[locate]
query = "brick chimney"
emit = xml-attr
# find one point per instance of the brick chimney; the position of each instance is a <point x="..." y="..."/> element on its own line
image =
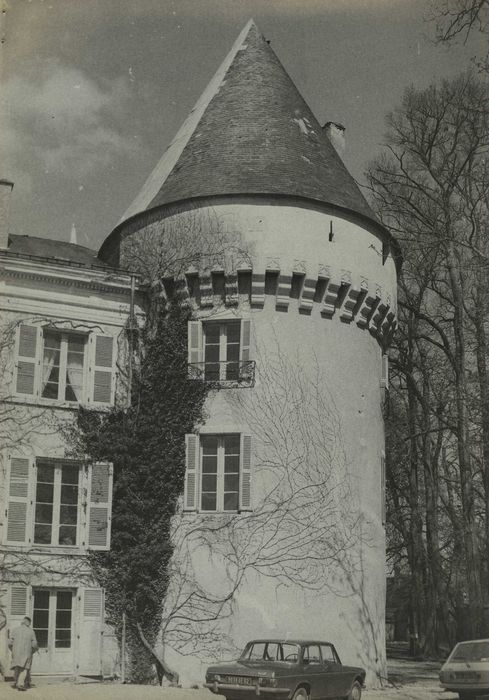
<point x="5" y="191"/>
<point x="336" y="134"/>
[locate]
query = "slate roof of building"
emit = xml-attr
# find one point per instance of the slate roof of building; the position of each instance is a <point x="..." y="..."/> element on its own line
<point x="251" y="132"/>
<point x="55" y="250"/>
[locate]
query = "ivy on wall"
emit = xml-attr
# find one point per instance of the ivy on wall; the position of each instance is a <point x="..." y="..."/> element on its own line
<point x="146" y="444"/>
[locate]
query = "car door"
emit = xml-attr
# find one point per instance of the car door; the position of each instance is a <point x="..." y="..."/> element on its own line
<point x="315" y="672"/>
<point x="336" y="681"/>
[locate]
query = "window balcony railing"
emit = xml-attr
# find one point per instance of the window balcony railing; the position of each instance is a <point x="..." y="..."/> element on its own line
<point x="229" y="375"/>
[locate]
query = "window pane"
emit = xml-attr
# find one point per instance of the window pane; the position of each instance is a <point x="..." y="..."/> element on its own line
<point x="76" y="343"/>
<point x="212" y="353"/>
<point x="209" y="501"/>
<point x="209" y="482"/>
<point x="231" y="464"/>
<point x="41" y="599"/>
<point x="44" y="493"/>
<point x="69" y="474"/>
<point x="67" y="535"/>
<point x="63" y="619"/>
<point x="42" y="534"/>
<point x="41" y="618"/>
<point x="63" y="639"/>
<point x="68" y="515"/>
<point x="233" y="353"/>
<point x="257" y="651"/>
<point x="231" y="482"/>
<point x="231" y="444"/>
<point x="232" y="371"/>
<point x="233" y="331"/>
<point x="212" y="333"/>
<point x="327" y="653"/>
<point x="69" y="494"/>
<point x="209" y="464"/>
<point x="230" y="501"/>
<point x="52" y="339"/>
<point x="209" y="444"/>
<point x="45" y="473"/>
<point x="41" y="636"/>
<point x="211" y="373"/>
<point x="63" y="600"/>
<point x="44" y="513"/>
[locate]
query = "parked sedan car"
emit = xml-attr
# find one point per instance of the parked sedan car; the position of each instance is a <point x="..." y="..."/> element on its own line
<point x="466" y="671"/>
<point x="286" y="670"/>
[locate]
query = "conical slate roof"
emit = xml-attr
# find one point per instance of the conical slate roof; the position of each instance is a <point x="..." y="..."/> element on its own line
<point x="251" y="133"/>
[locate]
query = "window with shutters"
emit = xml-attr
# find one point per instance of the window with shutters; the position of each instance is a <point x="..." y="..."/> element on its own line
<point x="219" y="352"/>
<point x="62" y="366"/>
<point x="59" y="503"/>
<point x="218" y="476"/>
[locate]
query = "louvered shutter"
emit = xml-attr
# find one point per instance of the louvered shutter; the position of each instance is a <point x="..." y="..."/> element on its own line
<point x="192" y="455"/>
<point x="27" y="366"/>
<point x="89" y="660"/>
<point x="245" y="473"/>
<point x="18" y="501"/>
<point x="99" y="506"/>
<point x="195" y="370"/>
<point x="18" y="604"/>
<point x="245" y="339"/>
<point x="103" y="369"/>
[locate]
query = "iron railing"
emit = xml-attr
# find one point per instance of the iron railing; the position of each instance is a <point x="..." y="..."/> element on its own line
<point x="229" y="375"/>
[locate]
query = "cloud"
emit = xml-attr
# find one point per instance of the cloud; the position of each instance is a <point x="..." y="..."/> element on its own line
<point x="62" y="121"/>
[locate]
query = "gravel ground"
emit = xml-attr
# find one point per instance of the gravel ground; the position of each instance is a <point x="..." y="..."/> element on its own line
<point x="409" y="680"/>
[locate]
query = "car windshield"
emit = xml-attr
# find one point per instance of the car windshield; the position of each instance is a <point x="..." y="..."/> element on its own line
<point x="271" y="651"/>
<point x="471" y="651"/>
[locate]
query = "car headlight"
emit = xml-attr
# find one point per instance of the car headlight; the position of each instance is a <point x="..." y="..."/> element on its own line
<point x="212" y="677"/>
<point x="267" y="682"/>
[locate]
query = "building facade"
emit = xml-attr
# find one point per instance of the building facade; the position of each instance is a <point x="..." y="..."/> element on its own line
<point x="253" y="218"/>
<point x="62" y="318"/>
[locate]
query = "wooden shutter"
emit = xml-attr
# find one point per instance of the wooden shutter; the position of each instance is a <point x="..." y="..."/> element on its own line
<point x="245" y="473"/>
<point x="245" y="339"/>
<point x="195" y="349"/>
<point x="89" y="661"/>
<point x="18" y="501"/>
<point x="103" y="369"/>
<point x="192" y="456"/>
<point x="99" y="506"/>
<point x="27" y="365"/>
<point x="19" y="603"/>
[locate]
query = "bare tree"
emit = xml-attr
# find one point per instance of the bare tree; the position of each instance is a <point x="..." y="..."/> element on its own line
<point x="431" y="189"/>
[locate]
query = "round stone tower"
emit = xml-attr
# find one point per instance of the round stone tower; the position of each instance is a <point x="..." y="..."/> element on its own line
<point x="292" y="284"/>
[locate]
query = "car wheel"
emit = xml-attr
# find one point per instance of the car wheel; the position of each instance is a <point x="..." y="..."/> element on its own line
<point x="301" y="694"/>
<point x="355" y="691"/>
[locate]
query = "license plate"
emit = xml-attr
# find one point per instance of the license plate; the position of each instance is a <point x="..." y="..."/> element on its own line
<point x="240" y="680"/>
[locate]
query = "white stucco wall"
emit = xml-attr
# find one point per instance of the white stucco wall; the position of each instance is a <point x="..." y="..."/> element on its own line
<point x="346" y="360"/>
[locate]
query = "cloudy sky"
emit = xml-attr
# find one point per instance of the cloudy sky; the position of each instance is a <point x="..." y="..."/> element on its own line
<point x="94" y="90"/>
